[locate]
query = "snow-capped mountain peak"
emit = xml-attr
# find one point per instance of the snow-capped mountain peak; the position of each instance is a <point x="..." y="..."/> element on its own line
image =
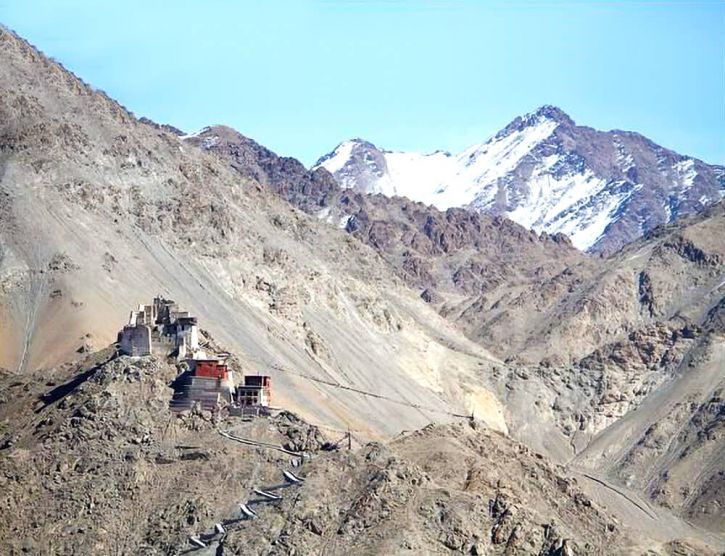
<point x="602" y="189"/>
<point x="437" y="178"/>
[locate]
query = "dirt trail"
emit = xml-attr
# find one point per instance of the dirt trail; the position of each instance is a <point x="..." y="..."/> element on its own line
<point x="651" y="520"/>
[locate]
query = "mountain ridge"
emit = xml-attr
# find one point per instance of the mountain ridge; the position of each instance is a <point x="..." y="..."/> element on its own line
<point x="544" y="171"/>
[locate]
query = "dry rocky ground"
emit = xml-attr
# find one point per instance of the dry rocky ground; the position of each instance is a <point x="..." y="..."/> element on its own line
<point x="93" y="462"/>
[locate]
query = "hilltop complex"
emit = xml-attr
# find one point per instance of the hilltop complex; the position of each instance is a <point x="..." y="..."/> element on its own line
<point x="163" y="330"/>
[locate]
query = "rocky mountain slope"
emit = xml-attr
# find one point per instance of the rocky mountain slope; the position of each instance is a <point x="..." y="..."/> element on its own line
<point x="672" y="447"/>
<point x="631" y="356"/>
<point x="456" y="251"/>
<point x="601" y="189"/>
<point x="93" y="462"/>
<point x="674" y="276"/>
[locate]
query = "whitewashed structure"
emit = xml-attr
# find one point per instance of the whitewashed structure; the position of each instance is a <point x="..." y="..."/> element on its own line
<point x="161" y="329"/>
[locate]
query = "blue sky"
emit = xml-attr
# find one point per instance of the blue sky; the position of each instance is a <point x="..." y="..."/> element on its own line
<point x="300" y="76"/>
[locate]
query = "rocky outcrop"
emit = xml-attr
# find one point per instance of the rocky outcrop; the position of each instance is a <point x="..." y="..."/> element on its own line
<point x="286" y="176"/>
<point x="458" y="489"/>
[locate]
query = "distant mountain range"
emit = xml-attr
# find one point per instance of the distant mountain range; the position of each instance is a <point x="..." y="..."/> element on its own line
<point x="602" y="189"/>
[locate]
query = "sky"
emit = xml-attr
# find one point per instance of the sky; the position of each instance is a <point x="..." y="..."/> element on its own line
<point x="300" y="76"/>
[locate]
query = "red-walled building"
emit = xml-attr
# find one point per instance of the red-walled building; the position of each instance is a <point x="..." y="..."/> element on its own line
<point x="209" y="383"/>
<point x="211" y="368"/>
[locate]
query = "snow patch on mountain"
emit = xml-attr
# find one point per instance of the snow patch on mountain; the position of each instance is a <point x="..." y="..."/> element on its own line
<point x="419" y="176"/>
<point x="326" y="215"/>
<point x="587" y="219"/>
<point x="549" y="203"/>
<point x="499" y="155"/>
<point x="339" y="157"/>
<point x="687" y="173"/>
<point x="202" y="131"/>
